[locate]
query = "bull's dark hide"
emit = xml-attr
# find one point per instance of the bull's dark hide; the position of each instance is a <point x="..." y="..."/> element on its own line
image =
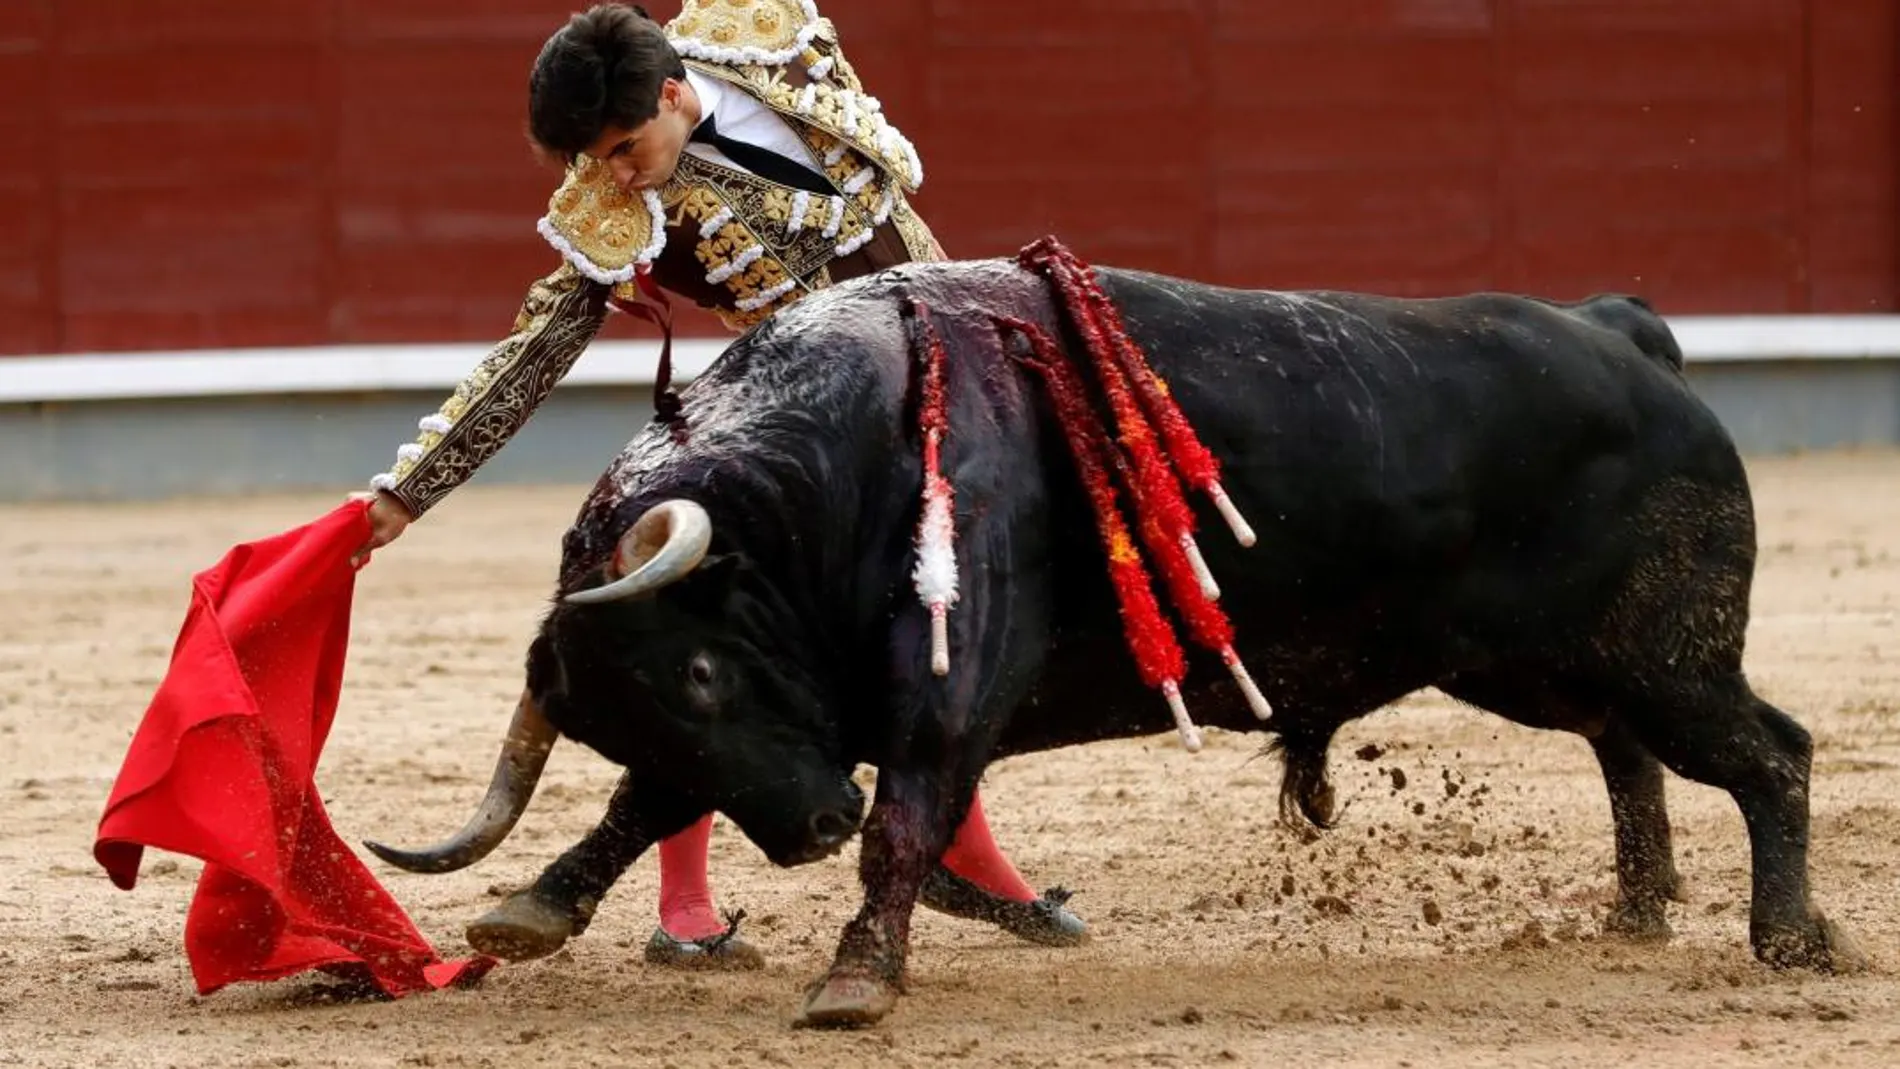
<point x="1518" y="501"/>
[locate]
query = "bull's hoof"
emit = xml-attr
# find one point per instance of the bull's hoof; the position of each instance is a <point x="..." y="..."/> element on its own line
<point x="723" y="953"/>
<point x="851" y="1001"/>
<point x="1672" y="886"/>
<point x="1046" y="921"/>
<point x="1823" y="946"/>
<point x="522" y="928"/>
<point x="1639" y="922"/>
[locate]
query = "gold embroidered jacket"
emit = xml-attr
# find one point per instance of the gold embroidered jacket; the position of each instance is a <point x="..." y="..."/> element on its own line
<point x="728" y="240"/>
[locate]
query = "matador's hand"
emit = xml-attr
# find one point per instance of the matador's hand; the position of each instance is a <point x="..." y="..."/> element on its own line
<point x="388" y="519"/>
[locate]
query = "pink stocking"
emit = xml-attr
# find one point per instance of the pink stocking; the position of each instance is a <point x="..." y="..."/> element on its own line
<point x="686" y="902"/>
<point x="974" y="855"/>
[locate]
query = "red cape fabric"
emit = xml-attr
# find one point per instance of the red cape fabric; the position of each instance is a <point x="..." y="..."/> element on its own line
<point x="222" y="768"/>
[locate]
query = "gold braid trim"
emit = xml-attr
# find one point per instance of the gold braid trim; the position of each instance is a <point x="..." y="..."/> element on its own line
<point x="559" y="317"/>
<point x="918" y="240"/>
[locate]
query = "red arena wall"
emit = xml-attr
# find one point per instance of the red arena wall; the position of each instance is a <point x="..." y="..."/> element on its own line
<point x="187" y="173"/>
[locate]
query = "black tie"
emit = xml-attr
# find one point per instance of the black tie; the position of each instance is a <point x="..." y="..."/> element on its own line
<point x="762" y="161"/>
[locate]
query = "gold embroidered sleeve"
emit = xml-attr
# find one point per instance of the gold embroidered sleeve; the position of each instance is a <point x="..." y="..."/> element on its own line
<point x="560" y="316"/>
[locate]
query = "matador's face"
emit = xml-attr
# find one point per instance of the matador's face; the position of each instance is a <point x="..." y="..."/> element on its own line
<point x="645" y="156"/>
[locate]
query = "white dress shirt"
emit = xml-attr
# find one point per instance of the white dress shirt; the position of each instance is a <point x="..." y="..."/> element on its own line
<point x="742" y="118"/>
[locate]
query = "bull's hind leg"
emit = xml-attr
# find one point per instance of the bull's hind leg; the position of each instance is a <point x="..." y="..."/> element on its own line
<point x="1645" y="858"/>
<point x="1720" y="733"/>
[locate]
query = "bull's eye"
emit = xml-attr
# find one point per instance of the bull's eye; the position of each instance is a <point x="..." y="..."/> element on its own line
<point x="700" y="669"/>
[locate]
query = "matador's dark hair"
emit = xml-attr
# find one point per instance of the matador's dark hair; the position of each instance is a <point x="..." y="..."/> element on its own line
<point x="603" y="69"/>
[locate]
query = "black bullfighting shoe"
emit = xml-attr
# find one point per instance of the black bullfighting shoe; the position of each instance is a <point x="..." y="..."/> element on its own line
<point x="1046" y="921"/>
<point x="725" y="952"/>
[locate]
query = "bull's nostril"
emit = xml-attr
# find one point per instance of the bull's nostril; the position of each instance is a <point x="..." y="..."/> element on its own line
<point x="831" y="827"/>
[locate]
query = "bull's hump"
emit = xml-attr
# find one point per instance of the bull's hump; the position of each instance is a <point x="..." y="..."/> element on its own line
<point x="786" y="379"/>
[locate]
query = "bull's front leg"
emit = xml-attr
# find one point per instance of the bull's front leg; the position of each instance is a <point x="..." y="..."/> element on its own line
<point x="538" y="919"/>
<point x="909" y="827"/>
<point x="942" y="732"/>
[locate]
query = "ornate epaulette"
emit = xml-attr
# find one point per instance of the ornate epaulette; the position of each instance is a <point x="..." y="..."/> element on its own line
<point x="752" y="42"/>
<point x="604" y="231"/>
<point x="745" y="32"/>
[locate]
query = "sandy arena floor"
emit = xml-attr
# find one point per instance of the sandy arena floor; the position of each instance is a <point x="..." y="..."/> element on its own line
<point x="1450" y="922"/>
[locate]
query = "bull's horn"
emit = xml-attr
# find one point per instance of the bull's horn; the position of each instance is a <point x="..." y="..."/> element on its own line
<point x="667" y="543"/>
<point x="524" y="752"/>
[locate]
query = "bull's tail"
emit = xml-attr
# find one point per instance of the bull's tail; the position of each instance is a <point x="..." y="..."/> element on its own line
<point x="1305" y="794"/>
<point x="1635" y="319"/>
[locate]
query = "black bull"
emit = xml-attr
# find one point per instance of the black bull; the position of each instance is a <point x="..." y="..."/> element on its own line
<point x="1519" y="502"/>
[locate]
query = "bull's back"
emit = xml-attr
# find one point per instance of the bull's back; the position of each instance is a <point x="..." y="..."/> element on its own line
<point x="1397" y="389"/>
<point x="1381" y="443"/>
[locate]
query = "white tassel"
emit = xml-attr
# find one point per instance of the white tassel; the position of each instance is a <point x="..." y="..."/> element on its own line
<point x="936" y="560"/>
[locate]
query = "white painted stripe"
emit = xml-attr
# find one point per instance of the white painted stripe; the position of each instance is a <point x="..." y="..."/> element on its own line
<point x="1787" y="337"/>
<point x="319" y="369"/>
<point x="370" y="368"/>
